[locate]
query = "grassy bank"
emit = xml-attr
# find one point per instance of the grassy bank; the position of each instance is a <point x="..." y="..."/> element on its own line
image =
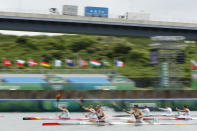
<point x="134" y="51"/>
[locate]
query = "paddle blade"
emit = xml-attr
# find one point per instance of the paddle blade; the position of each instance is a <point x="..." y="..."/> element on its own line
<point x="58" y="97"/>
<point x="81" y="99"/>
<point x="31" y="118"/>
<point x="122" y="116"/>
<point x="27" y="118"/>
<point x="51" y="124"/>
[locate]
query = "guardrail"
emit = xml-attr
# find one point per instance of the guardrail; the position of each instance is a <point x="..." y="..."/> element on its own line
<point x="111" y="15"/>
<point x="67" y="86"/>
<point x="57" y="71"/>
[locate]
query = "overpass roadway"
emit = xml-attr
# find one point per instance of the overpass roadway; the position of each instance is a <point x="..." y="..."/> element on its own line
<point x="94" y="25"/>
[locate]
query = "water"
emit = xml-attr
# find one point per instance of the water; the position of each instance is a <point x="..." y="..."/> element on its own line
<point x="14" y="122"/>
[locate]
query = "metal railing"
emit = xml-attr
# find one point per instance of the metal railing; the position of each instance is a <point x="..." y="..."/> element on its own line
<point x="111" y="15"/>
<point x="57" y="71"/>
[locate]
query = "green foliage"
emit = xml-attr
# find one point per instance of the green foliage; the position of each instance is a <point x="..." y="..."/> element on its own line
<point x="81" y="44"/>
<point x="121" y="49"/>
<point x="26" y="43"/>
<point x="134" y="51"/>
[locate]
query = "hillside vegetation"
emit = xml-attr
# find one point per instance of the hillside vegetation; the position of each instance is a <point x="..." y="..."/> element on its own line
<point x="134" y="51"/>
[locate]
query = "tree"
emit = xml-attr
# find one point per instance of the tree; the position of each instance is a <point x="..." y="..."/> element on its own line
<point x="81" y="44"/>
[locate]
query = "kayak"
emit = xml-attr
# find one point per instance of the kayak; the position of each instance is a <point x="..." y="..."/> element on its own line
<point x="110" y="118"/>
<point x="72" y="118"/>
<point x="153" y="115"/>
<point x="54" y="118"/>
<point x="169" y="118"/>
<point x="111" y="123"/>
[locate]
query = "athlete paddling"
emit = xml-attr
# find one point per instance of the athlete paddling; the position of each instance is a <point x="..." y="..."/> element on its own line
<point x="186" y="112"/>
<point x="146" y="111"/>
<point x="101" y="116"/>
<point x="137" y="114"/>
<point x="65" y="113"/>
<point x="92" y="113"/>
<point x="168" y="111"/>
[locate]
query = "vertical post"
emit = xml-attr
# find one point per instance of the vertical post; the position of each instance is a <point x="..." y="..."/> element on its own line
<point x="77" y="60"/>
<point x="164" y="74"/>
<point x="195" y="50"/>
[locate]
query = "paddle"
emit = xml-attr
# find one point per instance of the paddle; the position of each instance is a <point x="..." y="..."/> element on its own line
<point x="120" y="108"/>
<point x="121" y="116"/>
<point x="58" y="97"/>
<point x="81" y="102"/>
<point x="124" y="110"/>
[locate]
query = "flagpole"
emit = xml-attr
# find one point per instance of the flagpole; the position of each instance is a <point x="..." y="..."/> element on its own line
<point x="2" y="61"/>
<point x="103" y="64"/>
<point x="16" y="67"/>
<point x="26" y="63"/>
<point x="77" y="60"/>
<point x="116" y="67"/>
<point x="41" y="67"/>
<point x="53" y="64"/>
<point x="67" y="66"/>
<point x="64" y="63"/>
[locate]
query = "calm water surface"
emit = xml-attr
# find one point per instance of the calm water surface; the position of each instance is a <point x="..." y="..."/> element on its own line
<point x="14" y="122"/>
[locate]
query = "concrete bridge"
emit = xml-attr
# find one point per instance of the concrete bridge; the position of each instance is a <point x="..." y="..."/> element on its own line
<point x="93" y="25"/>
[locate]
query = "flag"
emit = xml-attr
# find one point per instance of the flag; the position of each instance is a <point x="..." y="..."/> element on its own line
<point x="58" y="63"/>
<point x="45" y="64"/>
<point x="119" y="63"/>
<point x="6" y="62"/>
<point x="70" y="62"/>
<point x="105" y="63"/>
<point x="95" y="63"/>
<point x="20" y="62"/>
<point x="32" y="62"/>
<point x="193" y="64"/>
<point x="83" y="63"/>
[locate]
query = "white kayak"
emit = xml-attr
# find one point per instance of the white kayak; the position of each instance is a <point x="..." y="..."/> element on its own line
<point x="72" y="118"/>
<point x="111" y="123"/>
<point x="109" y="118"/>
